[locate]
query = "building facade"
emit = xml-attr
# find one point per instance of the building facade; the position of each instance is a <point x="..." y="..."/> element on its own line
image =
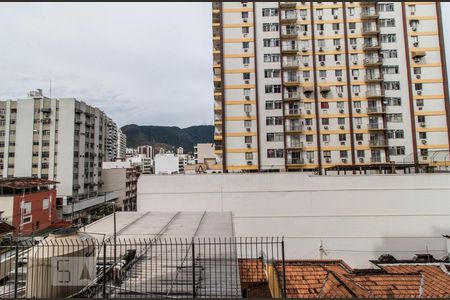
<point x="311" y="85"/>
<point x="121" y="178"/>
<point x="203" y="151"/>
<point x="56" y="139"/>
<point x="121" y="144"/>
<point x="112" y="140"/>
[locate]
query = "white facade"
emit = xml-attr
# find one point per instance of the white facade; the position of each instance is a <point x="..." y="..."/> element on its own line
<point x="144" y="163"/>
<point x="311" y="85"/>
<point x="121" y="144"/>
<point x="355" y="218"/>
<point x="167" y="163"/>
<point x="202" y="151"/>
<point x="57" y="139"/>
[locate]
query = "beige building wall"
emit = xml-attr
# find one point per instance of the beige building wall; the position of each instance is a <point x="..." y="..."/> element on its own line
<point x="115" y="181"/>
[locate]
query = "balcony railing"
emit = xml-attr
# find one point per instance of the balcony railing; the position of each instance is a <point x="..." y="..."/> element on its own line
<point x="291" y="64"/>
<point x="296" y="161"/>
<point x="90" y="202"/>
<point x="289" y="32"/>
<point x="293" y="111"/>
<point x="375" y="159"/>
<point x="288" y="47"/>
<point x="289" y="16"/>
<point x="292" y="96"/>
<point x="289" y="4"/>
<point x="373" y="61"/>
<point x="294" y="127"/>
<point x="375" y="93"/>
<point x="369" y="14"/>
<point x="375" y="109"/>
<point x="373" y="29"/>
<point x="375" y="126"/>
<point x="295" y="144"/>
<point x="291" y="79"/>
<point x="371" y="46"/>
<point x="373" y="77"/>
<point x="378" y="142"/>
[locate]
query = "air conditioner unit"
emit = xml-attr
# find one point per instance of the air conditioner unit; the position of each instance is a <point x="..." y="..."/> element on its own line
<point x="358" y="110"/>
<point x="424" y="142"/>
<point x="342" y="127"/>
<point x="356" y="94"/>
<point x="352" y="31"/>
<point x="339" y="94"/>
<point x="249" y="163"/>
<point x="249" y="145"/>
<point x="322" y="63"/>
<point x="414" y="29"/>
<point x="359" y="142"/>
<point x="247" y="97"/>
<point x="361" y="159"/>
<point x="353" y="46"/>
<point x="306" y="64"/>
<point x="245" y="34"/>
<point x="304" y="49"/>
<point x="309" y="128"/>
<point x="420" y="108"/>
<point x="311" y="160"/>
<point x="305" y="33"/>
<point x="320" y="32"/>
<point x="358" y="126"/>
<point x="422" y="124"/>
<point x="303" y="17"/>
<point x="247" y="81"/>
<point x="319" y="17"/>
<point x="416" y="44"/>
<point x="342" y="143"/>
<point x="245" y="65"/>
<point x="341" y="111"/>
<point x="418" y="76"/>
<point x="355" y="62"/>
<point x="245" y="49"/>
<point x="344" y="160"/>
<point x="338" y="62"/>
<point x="335" y="16"/>
<point x="417" y="60"/>
<point x="339" y="79"/>
<point x="307" y="79"/>
<point x="419" y="92"/>
<point x="328" y="160"/>
<point x="336" y="31"/>
<point x="325" y="127"/>
<point x="308" y="112"/>
<point x="326" y="143"/>
<point x="338" y="47"/>
<point x="245" y="20"/>
<point x="320" y="49"/>
<point x="248" y="129"/>
<point x="247" y="113"/>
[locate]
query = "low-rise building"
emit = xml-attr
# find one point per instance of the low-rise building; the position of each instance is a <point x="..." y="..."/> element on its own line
<point x="204" y="151"/>
<point x="121" y="177"/>
<point x="28" y="204"/>
<point x="143" y="163"/>
<point x="146" y="150"/>
<point x="167" y="163"/>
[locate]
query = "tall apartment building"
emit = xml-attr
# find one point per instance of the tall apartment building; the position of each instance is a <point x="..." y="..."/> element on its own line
<point x="112" y="140"/>
<point x="56" y="139"/>
<point x="311" y="85"/>
<point x="121" y="144"/>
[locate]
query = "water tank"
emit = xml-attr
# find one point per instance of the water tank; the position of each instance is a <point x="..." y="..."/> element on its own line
<point x="60" y="265"/>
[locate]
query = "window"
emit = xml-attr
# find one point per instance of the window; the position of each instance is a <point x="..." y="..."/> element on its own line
<point x="275" y="137"/>
<point x="324" y="105"/>
<point x="322" y="73"/>
<point x="338" y="73"/>
<point x="351" y="11"/>
<point x="246" y="92"/>
<point x="320" y="27"/>
<point x="424" y="152"/>
<point x="336" y="42"/>
<point x="327" y="154"/>
<point x="245" y="30"/>
<point x="339" y="89"/>
<point x="247" y="108"/>
<point x="248" y="155"/>
<point x="418" y="86"/>
<point x="244" y="14"/>
<point x="246" y="60"/>
<point x="388" y="38"/>
<point x="357" y="104"/>
<point x="326" y="138"/>
<point x="340" y="105"/>
<point x="343" y="154"/>
<point x="338" y="57"/>
<point x="393" y="101"/>
<point x="334" y="11"/>
<point x="359" y="137"/>
<point x="394" y="118"/>
<point x="273" y="104"/>
<point x="273" y="89"/>
<point x="342" y="137"/>
<point x="390" y="22"/>
<point x="356" y="89"/>
<point x="390" y="69"/>
<point x="310" y="155"/>
<point x="26" y="206"/>
<point x="306" y="74"/>
<point x="419" y="103"/>
<point x="395" y="134"/>
<point x="309" y="138"/>
<point x="273" y="42"/>
<point x="246" y="76"/>
<point x="358" y="121"/>
<point x="353" y="41"/>
<point x="271" y="57"/>
<point x="270" y="27"/>
<point x="414" y="24"/>
<point x="325" y="121"/>
<point x="274" y="121"/>
<point x="275" y="153"/>
<point x="303" y="12"/>
<point x="270" y="12"/>
<point x="2" y="133"/>
<point x="245" y="45"/>
<point x="321" y="57"/>
<point x="247" y="123"/>
<point x="412" y="9"/>
<point x="45" y="203"/>
<point x="421" y="119"/>
<point x="321" y="43"/>
<point x="319" y="12"/>
<point x="389" y="53"/>
<point x="400" y="150"/>
<point x="248" y="139"/>
<point x="272" y="73"/>
<point x="417" y="70"/>
<point x="336" y="26"/>
<point x="27" y="219"/>
<point x="391" y="85"/>
<point x="422" y="135"/>
<point x="360" y="153"/>
<point x="386" y="7"/>
<point x="352" y="25"/>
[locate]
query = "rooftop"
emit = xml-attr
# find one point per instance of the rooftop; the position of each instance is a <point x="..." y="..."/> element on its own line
<point x="24" y="182"/>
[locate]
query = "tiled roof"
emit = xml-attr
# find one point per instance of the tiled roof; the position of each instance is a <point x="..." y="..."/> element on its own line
<point x="5" y="228"/>
<point x="335" y="279"/>
<point x="436" y="282"/>
<point x="24" y="182"/>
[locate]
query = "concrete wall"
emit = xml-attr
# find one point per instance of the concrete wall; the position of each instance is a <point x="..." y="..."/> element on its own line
<point x="114" y="181"/>
<point x="167" y="164"/>
<point x="354" y="217"/>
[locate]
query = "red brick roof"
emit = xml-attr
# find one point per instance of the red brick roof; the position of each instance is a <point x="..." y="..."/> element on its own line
<point x="252" y="270"/>
<point x="24" y="182"/>
<point x="5" y="228"/>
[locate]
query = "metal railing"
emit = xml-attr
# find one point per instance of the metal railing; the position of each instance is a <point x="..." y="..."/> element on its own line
<point x="224" y="267"/>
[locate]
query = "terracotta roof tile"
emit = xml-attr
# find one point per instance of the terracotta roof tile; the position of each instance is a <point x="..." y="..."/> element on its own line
<point x="252" y="270"/>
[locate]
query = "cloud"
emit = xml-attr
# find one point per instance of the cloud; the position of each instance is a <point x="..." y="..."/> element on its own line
<point x="143" y="63"/>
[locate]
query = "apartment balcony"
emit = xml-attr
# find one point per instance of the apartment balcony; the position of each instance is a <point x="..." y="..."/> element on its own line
<point x="370" y="30"/>
<point x="293" y="128"/>
<point x="217" y="89"/>
<point x="218" y="137"/>
<point x="373" y="78"/>
<point x="296" y="161"/>
<point x="293" y="112"/>
<point x="371" y="47"/>
<point x="294" y="145"/>
<point x="369" y="14"/>
<point x="378" y="143"/>
<point x="374" y="94"/>
<point x="289" y="17"/>
<point x="217" y="78"/>
<point x="376" y="126"/>
<point x="288" y="4"/>
<point x="217" y="107"/>
<point x="376" y="159"/>
<point x="376" y="110"/>
<point x="292" y="96"/>
<point x="291" y="80"/>
<point x="288" y="48"/>
<point x="291" y="64"/>
<point x="289" y="33"/>
<point x="373" y="62"/>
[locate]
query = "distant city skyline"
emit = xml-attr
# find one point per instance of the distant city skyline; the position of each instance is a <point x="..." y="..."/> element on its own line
<point x="141" y="63"/>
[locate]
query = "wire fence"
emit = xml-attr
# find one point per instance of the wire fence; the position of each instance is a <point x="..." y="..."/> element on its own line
<point x="144" y="268"/>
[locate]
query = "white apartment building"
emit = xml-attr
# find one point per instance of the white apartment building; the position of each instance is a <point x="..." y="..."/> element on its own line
<point x="168" y="163"/>
<point x="204" y="151"/>
<point x="146" y="150"/>
<point x="121" y="144"/>
<point x="307" y="86"/>
<point x="56" y="139"/>
<point x="112" y="141"/>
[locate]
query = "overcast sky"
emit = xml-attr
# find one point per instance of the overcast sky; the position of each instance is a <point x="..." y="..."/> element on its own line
<point x="142" y="63"/>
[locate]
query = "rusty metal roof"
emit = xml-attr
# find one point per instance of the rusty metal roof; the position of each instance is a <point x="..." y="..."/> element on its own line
<point x="24" y="182"/>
